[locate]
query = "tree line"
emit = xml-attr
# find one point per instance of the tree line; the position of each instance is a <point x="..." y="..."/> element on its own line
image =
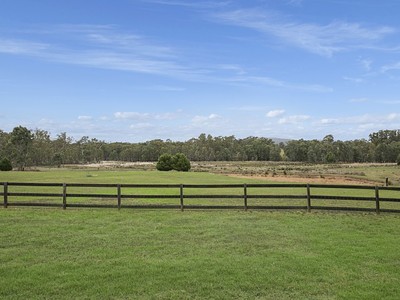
<point x="24" y="147"/>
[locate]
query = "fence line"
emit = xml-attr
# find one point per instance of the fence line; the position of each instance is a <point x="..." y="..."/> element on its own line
<point x="308" y="196"/>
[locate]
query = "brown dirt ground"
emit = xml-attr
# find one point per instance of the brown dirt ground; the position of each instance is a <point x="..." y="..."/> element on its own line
<point x="310" y="179"/>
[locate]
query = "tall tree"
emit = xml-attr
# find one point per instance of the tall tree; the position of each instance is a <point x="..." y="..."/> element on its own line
<point x="21" y="140"/>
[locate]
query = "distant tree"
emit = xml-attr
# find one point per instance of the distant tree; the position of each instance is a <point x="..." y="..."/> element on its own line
<point x="330" y="157"/>
<point x="165" y="162"/>
<point x="5" y="165"/>
<point x="21" y="140"/>
<point x="57" y="160"/>
<point x="180" y="162"/>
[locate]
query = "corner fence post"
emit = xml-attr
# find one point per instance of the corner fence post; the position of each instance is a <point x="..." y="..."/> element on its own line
<point x="5" y="194"/>
<point x="181" y="196"/>
<point x="308" y="198"/>
<point x="245" y="196"/>
<point x="378" y="209"/>
<point x="64" y="195"/>
<point x="119" y="195"/>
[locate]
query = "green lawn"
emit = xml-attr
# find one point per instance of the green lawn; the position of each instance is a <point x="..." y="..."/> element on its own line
<point x="105" y="253"/>
<point x="205" y="254"/>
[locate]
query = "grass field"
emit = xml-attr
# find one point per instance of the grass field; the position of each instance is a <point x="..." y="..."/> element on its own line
<point x="157" y="254"/>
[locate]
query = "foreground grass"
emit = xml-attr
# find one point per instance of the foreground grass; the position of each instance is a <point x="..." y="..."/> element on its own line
<point x="50" y="253"/>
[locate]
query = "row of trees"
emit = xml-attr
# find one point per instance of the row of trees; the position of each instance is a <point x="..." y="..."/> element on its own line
<point x="24" y="147"/>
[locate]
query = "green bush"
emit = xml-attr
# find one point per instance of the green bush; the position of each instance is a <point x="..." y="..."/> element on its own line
<point x="165" y="162"/>
<point x="178" y="162"/>
<point x="5" y="165"/>
<point x="181" y="163"/>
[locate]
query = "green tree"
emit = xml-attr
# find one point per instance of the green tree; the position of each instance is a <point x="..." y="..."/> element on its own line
<point x="21" y="140"/>
<point x="5" y="165"/>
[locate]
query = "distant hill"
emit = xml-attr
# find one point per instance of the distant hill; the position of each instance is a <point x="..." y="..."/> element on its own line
<point x="280" y="140"/>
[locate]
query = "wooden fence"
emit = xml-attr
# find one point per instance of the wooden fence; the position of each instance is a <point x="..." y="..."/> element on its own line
<point x="246" y="193"/>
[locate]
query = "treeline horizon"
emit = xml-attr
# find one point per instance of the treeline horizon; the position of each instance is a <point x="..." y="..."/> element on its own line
<point x="24" y="147"/>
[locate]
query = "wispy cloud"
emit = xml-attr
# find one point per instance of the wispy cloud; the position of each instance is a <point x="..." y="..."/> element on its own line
<point x="190" y="4"/>
<point x="390" y="67"/>
<point x="296" y="119"/>
<point x="269" y="81"/>
<point x="85" y="118"/>
<point x="146" y="116"/>
<point x="324" y="40"/>
<point x="15" y="46"/>
<point x="275" y="113"/>
<point x="101" y="47"/>
<point x="106" y="47"/>
<point x="205" y="120"/>
<point x="353" y="79"/>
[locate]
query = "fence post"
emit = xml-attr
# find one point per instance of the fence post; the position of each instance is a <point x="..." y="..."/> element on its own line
<point x="64" y="195"/>
<point x="245" y="196"/>
<point x="181" y="196"/>
<point x="308" y="198"/>
<point x="119" y="195"/>
<point x="378" y="209"/>
<point x="5" y="194"/>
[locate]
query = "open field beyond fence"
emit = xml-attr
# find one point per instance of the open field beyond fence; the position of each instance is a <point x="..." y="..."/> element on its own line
<point x="190" y="196"/>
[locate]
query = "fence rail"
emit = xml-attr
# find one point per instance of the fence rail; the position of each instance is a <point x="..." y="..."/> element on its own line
<point x="309" y="193"/>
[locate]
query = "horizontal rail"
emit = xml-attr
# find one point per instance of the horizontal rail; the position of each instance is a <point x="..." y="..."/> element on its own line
<point x="244" y="192"/>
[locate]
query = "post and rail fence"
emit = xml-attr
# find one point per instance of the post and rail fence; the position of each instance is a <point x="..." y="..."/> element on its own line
<point x="246" y="196"/>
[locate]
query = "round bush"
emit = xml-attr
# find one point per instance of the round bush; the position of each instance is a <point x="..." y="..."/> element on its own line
<point x="5" y="165"/>
<point x="181" y="163"/>
<point x="164" y="162"/>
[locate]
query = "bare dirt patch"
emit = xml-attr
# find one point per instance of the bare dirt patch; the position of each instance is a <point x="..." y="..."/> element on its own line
<point x="317" y="180"/>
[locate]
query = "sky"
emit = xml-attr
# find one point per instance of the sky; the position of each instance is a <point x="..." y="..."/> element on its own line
<point x="138" y="70"/>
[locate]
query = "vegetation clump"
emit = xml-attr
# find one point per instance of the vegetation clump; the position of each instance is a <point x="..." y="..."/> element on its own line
<point x="5" y="165"/>
<point x="178" y="162"/>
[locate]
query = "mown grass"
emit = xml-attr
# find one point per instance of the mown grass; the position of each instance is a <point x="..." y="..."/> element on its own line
<point x="50" y="253"/>
<point x="213" y="254"/>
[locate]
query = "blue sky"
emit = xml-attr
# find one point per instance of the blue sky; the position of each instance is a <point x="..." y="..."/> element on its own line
<point x="136" y="70"/>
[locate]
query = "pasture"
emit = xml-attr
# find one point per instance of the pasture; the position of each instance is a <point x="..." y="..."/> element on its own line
<point x="158" y="254"/>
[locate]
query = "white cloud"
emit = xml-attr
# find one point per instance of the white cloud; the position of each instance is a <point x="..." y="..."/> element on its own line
<point x="146" y="116"/>
<point x="366" y="119"/>
<point x="205" y="119"/>
<point x="366" y="63"/>
<point x="329" y="121"/>
<point x="394" y="66"/>
<point x="275" y="113"/>
<point x="294" y="119"/>
<point x="353" y="79"/>
<point x="131" y="115"/>
<point x="21" y="47"/>
<point x="324" y="40"/>
<point x="264" y="80"/>
<point x="85" y="118"/>
<point x="141" y="126"/>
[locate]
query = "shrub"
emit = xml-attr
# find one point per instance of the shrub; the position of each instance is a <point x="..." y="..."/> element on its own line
<point x="5" y="165"/>
<point x="178" y="162"/>
<point x="165" y="162"/>
<point x="181" y="163"/>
